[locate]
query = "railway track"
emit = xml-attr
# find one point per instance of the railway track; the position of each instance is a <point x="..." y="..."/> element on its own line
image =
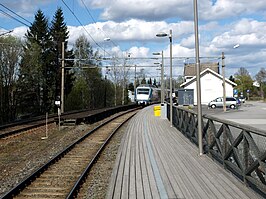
<point x="16" y="128"/>
<point x="63" y="175"/>
<point x="86" y="116"/>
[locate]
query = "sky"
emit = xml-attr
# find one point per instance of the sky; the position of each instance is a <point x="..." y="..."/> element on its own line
<point x="132" y="25"/>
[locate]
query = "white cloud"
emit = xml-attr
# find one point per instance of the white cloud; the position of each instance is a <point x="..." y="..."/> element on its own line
<point x="142" y="9"/>
<point x="245" y="32"/>
<point x="222" y="9"/>
<point x="139" y="51"/>
<point x="136" y="22"/>
<point x="19" y="31"/>
<point x="131" y="30"/>
<point x="133" y="52"/>
<point x="25" y="8"/>
<point x="151" y="10"/>
<point x="188" y="41"/>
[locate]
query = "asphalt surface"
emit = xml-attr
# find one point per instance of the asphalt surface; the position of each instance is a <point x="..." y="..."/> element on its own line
<point x="252" y="113"/>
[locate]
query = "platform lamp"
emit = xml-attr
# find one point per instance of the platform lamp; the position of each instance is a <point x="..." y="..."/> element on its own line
<point x="223" y="70"/>
<point x="162" y="77"/>
<point x="162" y="34"/>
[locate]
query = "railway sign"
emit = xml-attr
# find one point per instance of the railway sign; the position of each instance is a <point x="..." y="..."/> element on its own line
<point x="57" y="103"/>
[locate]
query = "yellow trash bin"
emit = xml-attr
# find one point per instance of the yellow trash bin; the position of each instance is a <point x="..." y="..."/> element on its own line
<point x="157" y="110"/>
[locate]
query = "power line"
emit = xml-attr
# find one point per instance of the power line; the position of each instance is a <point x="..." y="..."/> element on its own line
<point x="88" y="11"/>
<point x="16" y="13"/>
<point x="8" y="15"/>
<point x="96" y="22"/>
<point x="82" y="25"/>
<point x="2" y="27"/>
<point x="6" y="32"/>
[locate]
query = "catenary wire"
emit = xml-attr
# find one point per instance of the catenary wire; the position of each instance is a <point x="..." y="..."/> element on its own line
<point x="82" y="25"/>
<point x="106" y="35"/>
<point x="8" y="15"/>
<point x="15" y="13"/>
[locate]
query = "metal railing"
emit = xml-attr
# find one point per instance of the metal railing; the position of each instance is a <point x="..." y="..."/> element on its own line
<point x="241" y="149"/>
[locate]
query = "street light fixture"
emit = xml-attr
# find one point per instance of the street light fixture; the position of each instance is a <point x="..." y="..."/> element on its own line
<point x="162" y="34"/>
<point x="236" y="46"/>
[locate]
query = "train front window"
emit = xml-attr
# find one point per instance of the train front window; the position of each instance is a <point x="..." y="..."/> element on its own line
<point x="143" y="91"/>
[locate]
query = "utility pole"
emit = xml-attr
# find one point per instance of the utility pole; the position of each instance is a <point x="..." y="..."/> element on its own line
<point x="105" y="82"/>
<point x="124" y="78"/>
<point x="63" y="77"/>
<point x="224" y="91"/>
<point x="135" y="83"/>
<point x="171" y="77"/>
<point x="199" y="111"/>
<point x="123" y="87"/>
<point x="162" y="80"/>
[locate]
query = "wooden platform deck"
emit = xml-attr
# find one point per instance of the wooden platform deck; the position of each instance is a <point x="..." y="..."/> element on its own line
<point x="157" y="161"/>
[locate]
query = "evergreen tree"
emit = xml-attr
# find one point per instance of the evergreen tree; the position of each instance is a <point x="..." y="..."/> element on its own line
<point x="154" y="82"/>
<point x="231" y="78"/>
<point x="143" y="81"/>
<point x="131" y="86"/>
<point x="150" y="81"/>
<point x="137" y="82"/>
<point x="35" y="66"/>
<point x="59" y="34"/>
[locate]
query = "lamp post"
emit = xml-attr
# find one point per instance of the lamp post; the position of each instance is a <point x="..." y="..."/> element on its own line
<point x="105" y="87"/>
<point x="171" y="83"/>
<point x="223" y="73"/>
<point x="162" y="78"/>
<point x="198" y="77"/>
<point x="63" y="77"/>
<point x="124" y="78"/>
<point x="135" y="83"/>
<point x="224" y="91"/>
<point x="158" y="63"/>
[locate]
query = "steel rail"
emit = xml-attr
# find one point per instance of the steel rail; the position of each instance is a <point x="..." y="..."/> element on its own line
<point x="74" y="191"/>
<point x="41" y="119"/>
<point x="22" y="185"/>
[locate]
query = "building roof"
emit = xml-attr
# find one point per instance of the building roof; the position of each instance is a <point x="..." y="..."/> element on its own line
<point x="190" y="69"/>
<point x="207" y="70"/>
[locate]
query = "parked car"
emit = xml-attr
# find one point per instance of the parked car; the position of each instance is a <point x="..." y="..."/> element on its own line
<point x="218" y="102"/>
<point x="242" y="99"/>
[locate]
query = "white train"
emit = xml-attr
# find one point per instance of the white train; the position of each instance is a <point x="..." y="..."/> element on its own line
<point x="146" y="94"/>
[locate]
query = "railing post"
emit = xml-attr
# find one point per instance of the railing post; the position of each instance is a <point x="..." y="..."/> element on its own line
<point x="210" y="139"/>
<point x="245" y="158"/>
<point x="225" y="145"/>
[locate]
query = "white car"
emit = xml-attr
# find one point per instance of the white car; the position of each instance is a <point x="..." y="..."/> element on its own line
<point x="218" y="102"/>
<point x="242" y="99"/>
